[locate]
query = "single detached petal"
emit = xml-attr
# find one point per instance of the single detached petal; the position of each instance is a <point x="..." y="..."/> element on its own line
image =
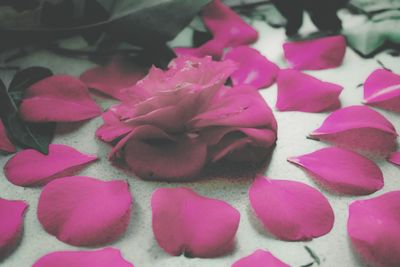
<point x="374" y="229"/>
<point x="260" y="258"/>
<point x="11" y="223"/>
<point x="83" y="211"/>
<point x="382" y="89"/>
<point x="5" y="143"/>
<point x="291" y="210"/>
<point x="395" y="158"/>
<point x="187" y="223"/>
<point x="254" y="68"/>
<point x="342" y="171"/>
<point x="105" y="257"/>
<point x="113" y="78"/>
<point x="59" y="98"/>
<point x="316" y="54"/>
<point x="298" y="91"/>
<point x="30" y="167"/>
<point x="360" y="128"/>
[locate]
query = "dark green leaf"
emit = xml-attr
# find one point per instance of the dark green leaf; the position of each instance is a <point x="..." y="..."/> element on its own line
<point x="200" y="37"/>
<point x="313" y="255"/>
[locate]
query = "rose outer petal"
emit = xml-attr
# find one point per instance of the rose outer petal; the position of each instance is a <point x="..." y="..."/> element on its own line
<point x="84" y="211"/>
<point x="5" y="143"/>
<point x="260" y="258"/>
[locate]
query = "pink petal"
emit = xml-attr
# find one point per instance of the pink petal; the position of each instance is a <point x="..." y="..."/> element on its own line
<point x="112" y="128"/>
<point x="298" y="91"/>
<point x="395" y="158"/>
<point x="11" y="223"/>
<point x="360" y="128"/>
<point x="342" y="171"/>
<point x="30" y="168"/>
<point x="83" y="211"/>
<point x="374" y="229"/>
<point x="260" y="258"/>
<point x="112" y="78"/>
<point x="187" y="223"/>
<point x="105" y="257"/>
<point x="58" y="98"/>
<point x="316" y="54"/>
<point x="382" y="89"/>
<point x="291" y="210"/>
<point x="254" y="68"/>
<point x="5" y="143"/>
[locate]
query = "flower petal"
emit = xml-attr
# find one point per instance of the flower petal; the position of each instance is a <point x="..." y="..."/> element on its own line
<point x="59" y="98"/>
<point x="187" y="223"/>
<point x="342" y="171"/>
<point x="316" y="54"/>
<point x="30" y="168"/>
<point x="11" y="223"/>
<point x="113" y="78"/>
<point x="83" y="211"/>
<point x="260" y="258"/>
<point x="254" y="68"/>
<point x="291" y="210"/>
<point x="105" y="257"/>
<point x="5" y="143"/>
<point x="374" y="229"/>
<point x="112" y="127"/>
<point x="382" y="89"/>
<point x="395" y="158"/>
<point x="298" y="91"/>
<point x="360" y="128"/>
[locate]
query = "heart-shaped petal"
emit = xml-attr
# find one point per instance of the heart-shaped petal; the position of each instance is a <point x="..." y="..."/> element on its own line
<point x="374" y="229"/>
<point x="298" y="91"/>
<point x="260" y="258"/>
<point x="360" y="128"/>
<point x="30" y="167"/>
<point x="5" y="143"/>
<point x="254" y="68"/>
<point x="59" y="98"/>
<point x="11" y="223"/>
<point x="84" y="211"/>
<point x="105" y="257"/>
<point x="316" y="54"/>
<point x="395" y="158"/>
<point x="382" y="89"/>
<point x="187" y="223"/>
<point x="342" y="171"/>
<point x="291" y="210"/>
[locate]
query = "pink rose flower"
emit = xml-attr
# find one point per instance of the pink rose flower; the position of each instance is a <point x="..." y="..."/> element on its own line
<point x="174" y="122"/>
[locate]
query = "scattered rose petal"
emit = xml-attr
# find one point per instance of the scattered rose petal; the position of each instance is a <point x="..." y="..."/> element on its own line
<point x="342" y="171"/>
<point x="105" y="257"/>
<point x="291" y="210"/>
<point x="5" y="143"/>
<point x="360" y="128"/>
<point x="254" y="68"/>
<point x="112" y="78"/>
<point x="374" y="229"/>
<point x="187" y="223"/>
<point x="11" y="223"/>
<point x="30" y="167"/>
<point x="59" y="98"/>
<point x="260" y="258"/>
<point x="382" y="89"/>
<point x="298" y="91"/>
<point x="83" y="211"/>
<point x="316" y="54"/>
<point x="395" y="158"/>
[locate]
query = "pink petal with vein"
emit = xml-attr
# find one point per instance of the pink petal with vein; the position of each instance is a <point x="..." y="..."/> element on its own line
<point x="113" y="78"/>
<point x="83" y="211"/>
<point x="5" y="143"/>
<point x="112" y="128"/>
<point x="298" y="91"/>
<point x="316" y="54"/>
<point x="11" y="223"/>
<point x="30" y="168"/>
<point x="254" y="68"/>
<point x="360" y="128"/>
<point x="342" y="171"/>
<point x="105" y="257"/>
<point x="291" y="210"/>
<point x="59" y="98"/>
<point x="374" y="229"/>
<point x="395" y="158"/>
<point x="187" y="223"/>
<point x="382" y="89"/>
<point x="260" y="258"/>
